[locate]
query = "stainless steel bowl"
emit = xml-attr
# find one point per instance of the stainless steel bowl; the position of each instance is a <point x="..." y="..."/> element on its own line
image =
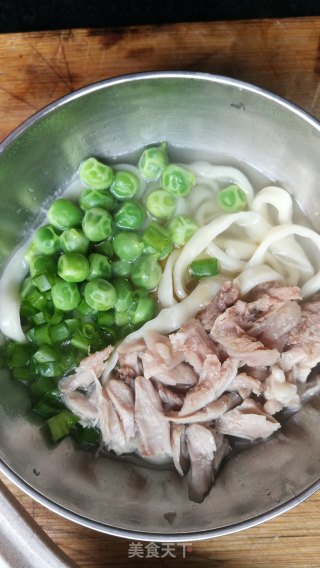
<point x="217" y="116"/>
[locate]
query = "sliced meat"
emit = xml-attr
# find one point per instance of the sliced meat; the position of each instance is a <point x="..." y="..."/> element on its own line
<point x="80" y="379"/>
<point x="171" y="399"/>
<point x="179" y="448"/>
<point x="201" y="448"/>
<point x="223" y="449"/>
<point x="247" y="421"/>
<point x="121" y="396"/>
<point x="96" y="362"/>
<point x="211" y="412"/>
<point x="153" y="427"/>
<point x="193" y="343"/>
<point x="182" y="375"/>
<point x="130" y="365"/>
<point x="81" y="406"/>
<point x="301" y="346"/>
<point x="278" y="321"/>
<point x="277" y="389"/>
<point x="227" y="296"/>
<point x="159" y="356"/>
<point x="245" y="385"/>
<point x="214" y="379"/>
<point x="228" y="331"/>
<point x="273" y="291"/>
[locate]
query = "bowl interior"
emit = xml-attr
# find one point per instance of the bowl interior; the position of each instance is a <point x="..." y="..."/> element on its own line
<point x="198" y="115"/>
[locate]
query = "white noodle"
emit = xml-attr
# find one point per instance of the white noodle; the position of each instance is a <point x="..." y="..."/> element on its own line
<point x="227" y="262"/>
<point x="210" y="172"/>
<point x="253" y="276"/>
<point x="203" y="237"/>
<point x="165" y="289"/>
<point x="279" y="232"/>
<point x="242" y="250"/>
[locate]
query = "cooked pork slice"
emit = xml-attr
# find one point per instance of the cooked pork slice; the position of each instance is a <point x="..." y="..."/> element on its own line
<point x="276" y="388"/>
<point x="182" y="375"/>
<point x="171" y="399"/>
<point x="228" y="331"/>
<point x="211" y="412"/>
<point x="245" y="385"/>
<point x="226" y="297"/>
<point x="223" y="449"/>
<point x="153" y="427"/>
<point x="112" y="429"/>
<point x="301" y="346"/>
<point x="179" y="448"/>
<point x="214" y="379"/>
<point x="121" y="396"/>
<point x="272" y="407"/>
<point x="81" y="406"/>
<point x="273" y="291"/>
<point x="201" y="448"/>
<point x="247" y="421"/>
<point x="193" y="343"/>
<point x="130" y="365"/>
<point x="159" y="356"/>
<point x="80" y="379"/>
<point x="276" y="322"/>
<point x="96" y="362"/>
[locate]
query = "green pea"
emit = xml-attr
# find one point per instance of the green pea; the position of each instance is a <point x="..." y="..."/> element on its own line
<point x="161" y="204"/>
<point x="65" y="295"/>
<point x="96" y="198"/>
<point x="100" y="294"/>
<point x="181" y="229"/>
<point x="73" y="267"/>
<point x="74" y="240"/>
<point x="131" y="215"/>
<point x="144" y="309"/>
<point x="97" y="224"/>
<point x="146" y="272"/>
<point x="95" y="174"/>
<point x="124" y="294"/>
<point x="152" y="162"/>
<point x="64" y="214"/>
<point x="121" y="268"/>
<point x="99" y="266"/>
<point x="125" y="185"/>
<point x="46" y="240"/>
<point x="177" y="180"/>
<point x="127" y="246"/>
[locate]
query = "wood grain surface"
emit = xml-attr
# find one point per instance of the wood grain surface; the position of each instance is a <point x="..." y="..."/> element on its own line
<point x="282" y="56"/>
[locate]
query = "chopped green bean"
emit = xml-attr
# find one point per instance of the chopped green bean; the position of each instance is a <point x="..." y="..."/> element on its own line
<point x="61" y="424"/>
<point x="46" y="354"/>
<point x="161" y="204"/>
<point x="157" y="237"/>
<point x="97" y="224"/>
<point x="131" y="215"/>
<point x="95" y="174"/>
<point x="125" y="185"/>
<point x="64" y="214"/>
<point x="152" y="162"/>
<point x="232" y="198"/>
<point x="127" y="245"/>
<point x="100" y="294"/>
<point x="181" y="229"/>
<point x="204" y="267"/>
<point x="177" y="180"/>
<point x="106" y="319"/>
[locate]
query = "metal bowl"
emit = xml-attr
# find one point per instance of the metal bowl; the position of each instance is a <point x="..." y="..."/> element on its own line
<point x="216" y="116"/>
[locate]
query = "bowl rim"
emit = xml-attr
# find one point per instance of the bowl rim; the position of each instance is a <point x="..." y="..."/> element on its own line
<point x="5" y="468"/>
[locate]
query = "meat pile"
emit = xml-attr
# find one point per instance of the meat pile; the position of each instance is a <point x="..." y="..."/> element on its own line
<point x="225" y="373"/>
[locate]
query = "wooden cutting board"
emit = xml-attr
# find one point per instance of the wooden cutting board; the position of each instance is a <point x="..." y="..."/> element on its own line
<point x="279" y="55"/>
